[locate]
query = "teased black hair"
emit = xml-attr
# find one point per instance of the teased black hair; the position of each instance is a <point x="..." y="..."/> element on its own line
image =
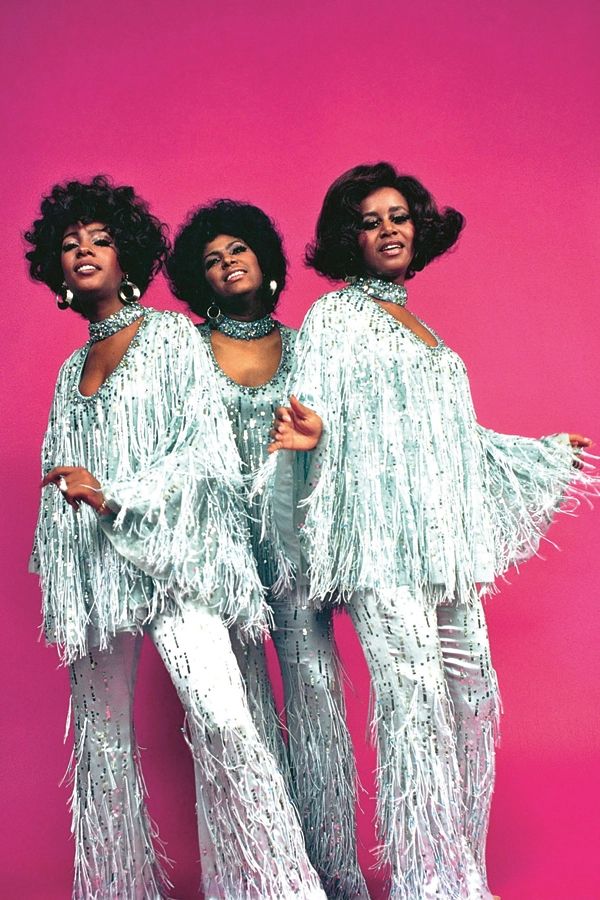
<point x="140" y="238"/>
<point x="241" y="220"/>
<point x="335" y="252"/>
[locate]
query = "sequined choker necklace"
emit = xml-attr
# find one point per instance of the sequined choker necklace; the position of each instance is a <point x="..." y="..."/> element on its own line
<point x="380" y="289"/>
<point x="243" y="331"/>
<point x="116" y="322"/>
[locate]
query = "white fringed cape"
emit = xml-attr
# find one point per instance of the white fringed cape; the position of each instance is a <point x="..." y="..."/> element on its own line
<point x="405" y="487"/>
<point x="157" y="438"/>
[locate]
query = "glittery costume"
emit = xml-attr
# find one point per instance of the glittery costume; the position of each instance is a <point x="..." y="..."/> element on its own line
<point x="409" y="509"/>
<point x="153" y="438"/>
<point x="319" y="763"/>
<point x="171" y="560"/>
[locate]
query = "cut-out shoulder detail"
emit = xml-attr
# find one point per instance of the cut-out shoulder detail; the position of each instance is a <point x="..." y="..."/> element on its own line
<point x="384" y="307"/>
<point x="139" y="326"/>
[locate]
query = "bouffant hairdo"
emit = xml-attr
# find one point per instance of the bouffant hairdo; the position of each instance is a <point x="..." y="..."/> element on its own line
<point x="140" y="238"/>
<point x="335" y="252"/>
<point x="241" y="220"/>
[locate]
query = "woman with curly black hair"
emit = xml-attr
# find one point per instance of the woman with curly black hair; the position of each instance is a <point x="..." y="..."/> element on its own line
<point x="140" y="531"/>
<point x="228" y="265"/>
<point x="411" y="511"/>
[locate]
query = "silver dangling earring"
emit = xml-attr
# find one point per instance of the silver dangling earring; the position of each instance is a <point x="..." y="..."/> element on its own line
<point x="273" y="287"/>
<point x="213" y="316"/>
<point x="64" y="297"/>
<point x="128" y="291"/>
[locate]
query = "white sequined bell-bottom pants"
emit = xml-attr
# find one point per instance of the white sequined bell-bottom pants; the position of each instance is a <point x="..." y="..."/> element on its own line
<point x="251" y="842"/>
<point x="435" y="721"/>
<point x="318" y="760"/>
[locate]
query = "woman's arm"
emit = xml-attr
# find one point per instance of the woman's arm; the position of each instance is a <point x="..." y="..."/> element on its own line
<point x="528" y="481"/>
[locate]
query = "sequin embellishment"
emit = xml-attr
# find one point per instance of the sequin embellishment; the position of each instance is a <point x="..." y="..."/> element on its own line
<point x="380" y="289"/>
<point x="243" y="331"/>
<point x="119" y="320"/>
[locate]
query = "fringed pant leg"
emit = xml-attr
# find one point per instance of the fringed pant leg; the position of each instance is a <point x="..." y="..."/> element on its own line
<point x="419" y="801"/>
<point x="473" y="688"/>
<point x="256" y="848"/>
<point x="114" y="853"/>
<point x="320" y="750"/>
<point x="253" y="666"/>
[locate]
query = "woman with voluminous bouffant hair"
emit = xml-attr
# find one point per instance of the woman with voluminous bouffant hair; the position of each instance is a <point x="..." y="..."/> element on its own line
<point x="228" y="265"/>
<point x="140" y="531"/>
<point x="411" y="510"/>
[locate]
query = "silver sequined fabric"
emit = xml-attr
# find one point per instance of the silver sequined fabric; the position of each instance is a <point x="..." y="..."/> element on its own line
<point x="156" y="437"/>
<point x="318" y="761"/>
<point x="405" y="487"/>
<point x="251" y="411"/>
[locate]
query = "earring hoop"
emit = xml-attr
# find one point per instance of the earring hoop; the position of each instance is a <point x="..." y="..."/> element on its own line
<point x="64" y="297"/>
<point x="128" y="291"/>
<point x="213" y="316"/>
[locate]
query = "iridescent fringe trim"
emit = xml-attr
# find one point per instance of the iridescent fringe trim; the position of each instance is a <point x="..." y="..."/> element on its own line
<point x="434" y="801"/>
<point x="164" y="453"/>
<point x="323" y="782"/>
<point x="318" y="762"/>
<point x="419" y="803"/>
<point x="528" y="482"/>
<point x="261" y="702"/>
<point x="405" y="488"/>
<point x="257" y="844"/>
<point x="106" y="867"/>
<point x="478" y="787"/>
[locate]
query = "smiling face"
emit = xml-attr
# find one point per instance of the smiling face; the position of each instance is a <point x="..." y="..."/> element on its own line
<point x="231" y="268"/>
<point x="387" y="234"/>
<point x="89" y="261"/>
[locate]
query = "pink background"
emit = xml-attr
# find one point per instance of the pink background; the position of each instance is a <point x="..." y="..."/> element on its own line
<point x="494" y="107"/>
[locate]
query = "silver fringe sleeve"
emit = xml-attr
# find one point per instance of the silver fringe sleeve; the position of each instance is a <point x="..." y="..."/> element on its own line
<point x="404" y="488"/>
<point x="527" y="482"/>
<point x="158" y="439"/>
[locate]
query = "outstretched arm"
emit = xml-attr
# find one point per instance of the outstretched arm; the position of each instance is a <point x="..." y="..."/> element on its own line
<point x="296" y="427"/>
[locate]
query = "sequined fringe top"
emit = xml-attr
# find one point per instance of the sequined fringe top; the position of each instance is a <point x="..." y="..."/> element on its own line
<point x="158" y="439"/>
<point x="251" y="411"/>
<point x="405" y="488"/>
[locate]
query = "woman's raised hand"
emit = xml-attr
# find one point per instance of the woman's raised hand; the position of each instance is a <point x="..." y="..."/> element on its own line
<point x="77" y="486"/>
<point x="296" y="427"/>
<point x="579" y="442"/>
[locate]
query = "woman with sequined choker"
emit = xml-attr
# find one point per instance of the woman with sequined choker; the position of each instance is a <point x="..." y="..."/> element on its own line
<point x="411" y="510"/>
<point x="140" y="531"/>
<point x="228" y="265"/>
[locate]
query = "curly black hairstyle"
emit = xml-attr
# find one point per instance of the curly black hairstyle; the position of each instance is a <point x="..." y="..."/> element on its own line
<point x="335" y="252"/>
<point x="241" y="220"/>
<point x="140" y="238"/>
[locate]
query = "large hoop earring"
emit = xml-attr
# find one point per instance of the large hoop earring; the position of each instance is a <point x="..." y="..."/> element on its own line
<point x="128" y="291"/>
<point x="64" y="297"/>
<point x="213" y="316"/>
